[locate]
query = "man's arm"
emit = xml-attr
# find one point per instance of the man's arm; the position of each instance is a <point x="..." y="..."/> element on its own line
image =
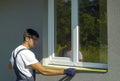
<point x="10" y="66"/>
<point x="50" y="72"/>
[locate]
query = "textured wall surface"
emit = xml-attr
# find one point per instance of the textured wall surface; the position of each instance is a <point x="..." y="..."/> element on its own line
<point x="15" y="17"/>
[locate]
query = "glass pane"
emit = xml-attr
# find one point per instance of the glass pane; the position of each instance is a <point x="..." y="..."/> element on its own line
<point x="62" y="28"/>
<point x="93" y="30"/>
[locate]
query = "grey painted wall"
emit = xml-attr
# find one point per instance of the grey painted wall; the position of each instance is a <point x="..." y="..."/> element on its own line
<point x="15" y="16"/>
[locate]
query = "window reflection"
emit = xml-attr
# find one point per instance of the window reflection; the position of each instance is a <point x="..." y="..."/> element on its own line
<point x="67" y="52"/>
<point x="62" y="25"/>
<point x="92" y="18"/>
<point x="93" y="30"/>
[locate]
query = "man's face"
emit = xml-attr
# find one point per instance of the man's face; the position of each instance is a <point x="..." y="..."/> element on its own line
<point x="32" y="41"/>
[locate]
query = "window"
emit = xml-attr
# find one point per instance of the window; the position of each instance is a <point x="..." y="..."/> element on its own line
<point x="77" y="34"/>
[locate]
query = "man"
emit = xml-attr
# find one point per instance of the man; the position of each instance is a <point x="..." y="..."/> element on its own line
<point x="67" y="52"/>
<point x="24" y="62"/>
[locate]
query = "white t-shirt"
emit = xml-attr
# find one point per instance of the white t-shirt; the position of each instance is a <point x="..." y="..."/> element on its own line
<point x="23" y="60"/>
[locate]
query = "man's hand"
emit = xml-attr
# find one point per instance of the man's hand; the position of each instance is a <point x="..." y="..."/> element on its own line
<point x="9" y="66"/>
<point x="70" y="72"/>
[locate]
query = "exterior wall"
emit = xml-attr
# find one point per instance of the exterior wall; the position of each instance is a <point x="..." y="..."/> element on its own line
<point x="113" y="52"/>
<point x="15" y="16"/>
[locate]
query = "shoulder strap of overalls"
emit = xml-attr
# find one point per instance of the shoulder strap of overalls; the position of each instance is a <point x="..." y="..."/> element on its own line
<point x="15" y="64"/>
<point x="17" y="53"/>
<point x="18" y="73"/>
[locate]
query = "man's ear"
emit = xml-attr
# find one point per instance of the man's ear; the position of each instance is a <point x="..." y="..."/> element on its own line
<point x="27" y="39"/>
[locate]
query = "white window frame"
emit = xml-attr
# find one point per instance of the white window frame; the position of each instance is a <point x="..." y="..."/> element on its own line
<point x="51" y="60"/>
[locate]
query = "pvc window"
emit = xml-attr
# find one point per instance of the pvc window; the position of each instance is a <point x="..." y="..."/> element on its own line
<point x="80" y="28"/>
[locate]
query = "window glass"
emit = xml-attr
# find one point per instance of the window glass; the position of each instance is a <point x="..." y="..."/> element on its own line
<point x="92" y="19"/>
<point x="93" y="30"/>
<point x="62" y="28"/>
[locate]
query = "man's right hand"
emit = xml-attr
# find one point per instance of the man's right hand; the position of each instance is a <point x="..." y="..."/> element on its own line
<point x="70" y="72"/>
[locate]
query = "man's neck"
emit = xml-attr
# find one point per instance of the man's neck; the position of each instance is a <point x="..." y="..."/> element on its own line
<point x="26" y="45"/>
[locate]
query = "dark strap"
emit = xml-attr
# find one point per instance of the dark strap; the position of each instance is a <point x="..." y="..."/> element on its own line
<point x="19" y="74"/>
<point x="17" y="53"/>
